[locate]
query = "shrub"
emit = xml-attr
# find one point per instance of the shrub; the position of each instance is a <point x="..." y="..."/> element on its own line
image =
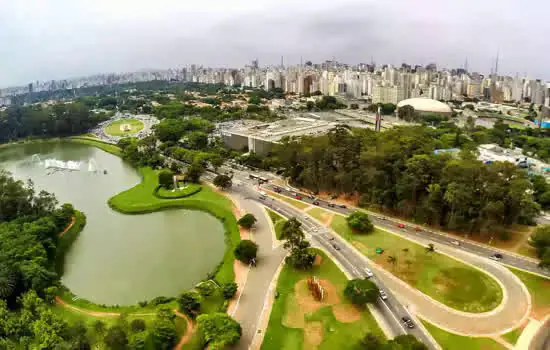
<point x="361" y="291"/>
<point x="137" y="325"/>
<point x="166" y="178"/>
<point x="247" y="221"/>
<point x="189" y="303"/>
<point x="359" y="222"/>
<point x="229" y="290"/>
<point x="219" y="330"/>
<point x="246" y="250"/>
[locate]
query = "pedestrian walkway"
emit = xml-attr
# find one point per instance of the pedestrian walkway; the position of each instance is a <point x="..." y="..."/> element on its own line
<point x="256" y="289"/>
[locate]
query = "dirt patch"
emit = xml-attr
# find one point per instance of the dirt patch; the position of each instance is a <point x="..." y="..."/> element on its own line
<point x="313" y="335"/>
<point x="346" y="313"/>
<point x="318" y="260"/>
<point x="540" y="312"/>
<point x="360" y="246"/>
<point x="302" y="303"/>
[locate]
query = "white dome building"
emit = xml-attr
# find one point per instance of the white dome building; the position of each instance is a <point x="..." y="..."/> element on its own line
<point x="426" y="105"/>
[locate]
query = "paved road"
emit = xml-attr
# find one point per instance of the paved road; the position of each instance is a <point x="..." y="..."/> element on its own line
<point x="434" y="236"/>
<point x="253" y="296"/>
<point x="354" y="263"/>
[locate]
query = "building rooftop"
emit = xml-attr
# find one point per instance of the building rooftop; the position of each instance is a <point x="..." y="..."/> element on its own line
<point x="275" y="131"/>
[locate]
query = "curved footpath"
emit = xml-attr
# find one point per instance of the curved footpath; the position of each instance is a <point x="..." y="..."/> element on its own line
<point x="510" y="314"/>
<point x="251" y="303"/>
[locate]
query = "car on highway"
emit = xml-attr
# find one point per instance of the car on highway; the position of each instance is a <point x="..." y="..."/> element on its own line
<point x="417" y="228"/>
<point x="455" y="242"/>
<point x="331" y="205"/>
<point x="401" y="225"/>
<point x="316" y="203"/>
<point x="496" y="257"/>
<point x="336" y="247"/>
<point x="343" y="206"/>
<point x="369" y="273"/>
<point x="407" y="321"/>
<point x="277" y="189"/>
<point x="287" y="189"/>
<point x="383" y="295"/>
<point x="297" y="196"/>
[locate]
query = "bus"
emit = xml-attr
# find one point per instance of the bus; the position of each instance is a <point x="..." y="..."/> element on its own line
<point x="261" y="180"/>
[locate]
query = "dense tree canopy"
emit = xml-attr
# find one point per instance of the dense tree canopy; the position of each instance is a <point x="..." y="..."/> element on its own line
<point x="301" y="257"/>
<point x="60" y="119"/>
<point x="219" y="330"/>
<point x="189" y="303"/>
<point x="541" y="241"/>
<point x="398" y="170"/>
<point x="222" y="181"/>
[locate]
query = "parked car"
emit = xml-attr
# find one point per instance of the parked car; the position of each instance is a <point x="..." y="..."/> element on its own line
<point x="369" y="273"/>
<point x="496" y="257"/>
<point x="408" y="322"/>
<point x="383" y="295"/>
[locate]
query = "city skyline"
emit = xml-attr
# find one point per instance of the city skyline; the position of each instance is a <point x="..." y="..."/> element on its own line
<point x="64" y="40"/>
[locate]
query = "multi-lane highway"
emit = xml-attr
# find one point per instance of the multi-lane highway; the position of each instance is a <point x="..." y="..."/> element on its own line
<point x="416" y="232"/>
<point x="354" y="264"/>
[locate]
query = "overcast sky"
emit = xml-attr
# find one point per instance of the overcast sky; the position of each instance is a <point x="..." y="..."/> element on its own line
<point x="56" y="39"/>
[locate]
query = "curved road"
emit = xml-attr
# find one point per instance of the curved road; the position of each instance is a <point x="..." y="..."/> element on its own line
<point x="514" y="308"/>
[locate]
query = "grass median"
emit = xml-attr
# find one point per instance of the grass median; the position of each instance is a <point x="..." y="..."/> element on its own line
<point x="447" y="280"/>
<point x="539" y="288"/>
<point x="278" y="222"/>
<point x="451" y="341"/>
<point x="298" y="321"/>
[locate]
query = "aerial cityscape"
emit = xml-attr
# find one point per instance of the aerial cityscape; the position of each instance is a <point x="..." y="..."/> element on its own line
<point x="309" y="202"/>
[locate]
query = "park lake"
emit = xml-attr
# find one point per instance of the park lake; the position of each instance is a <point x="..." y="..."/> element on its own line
<point x="118" y="259"/>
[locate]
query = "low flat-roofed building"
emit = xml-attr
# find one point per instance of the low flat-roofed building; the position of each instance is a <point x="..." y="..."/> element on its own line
<point x="260" y="138"/>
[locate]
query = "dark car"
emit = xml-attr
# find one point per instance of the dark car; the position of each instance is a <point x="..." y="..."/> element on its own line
<point x="315" y="203"/>
<point x="496" y="257"/>
<point x="336" y="247"/>
<point x="332" y="205"/>
<point x="408" y="322"/>
<point x="277" y="189"/>
<point x="343" y="206"/>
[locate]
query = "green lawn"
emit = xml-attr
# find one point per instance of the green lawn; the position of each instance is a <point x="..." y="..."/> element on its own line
<point x="450" y="341"/>
<point x="513" y="336"/>
<point x="107" y="147"/>
<point x="140" y="199"/>
<point x="539" y="288"/>
<point x="114" y="129"/>
<point x="294" y="202"/>
<point x="278" y="222"/>
<point x="183" y="190"/>
<point x="332" y="333"/>
<point x="447" y="280"/>
<point x="320" y="214"/>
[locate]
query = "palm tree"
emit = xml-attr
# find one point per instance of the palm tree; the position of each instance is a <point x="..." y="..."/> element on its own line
<point x="430" y="248"/>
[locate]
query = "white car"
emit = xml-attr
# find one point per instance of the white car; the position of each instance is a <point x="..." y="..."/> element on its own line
<point x="457" y="243"/>
<point x="383" y="295"/>
<point x="369" y="273"/>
